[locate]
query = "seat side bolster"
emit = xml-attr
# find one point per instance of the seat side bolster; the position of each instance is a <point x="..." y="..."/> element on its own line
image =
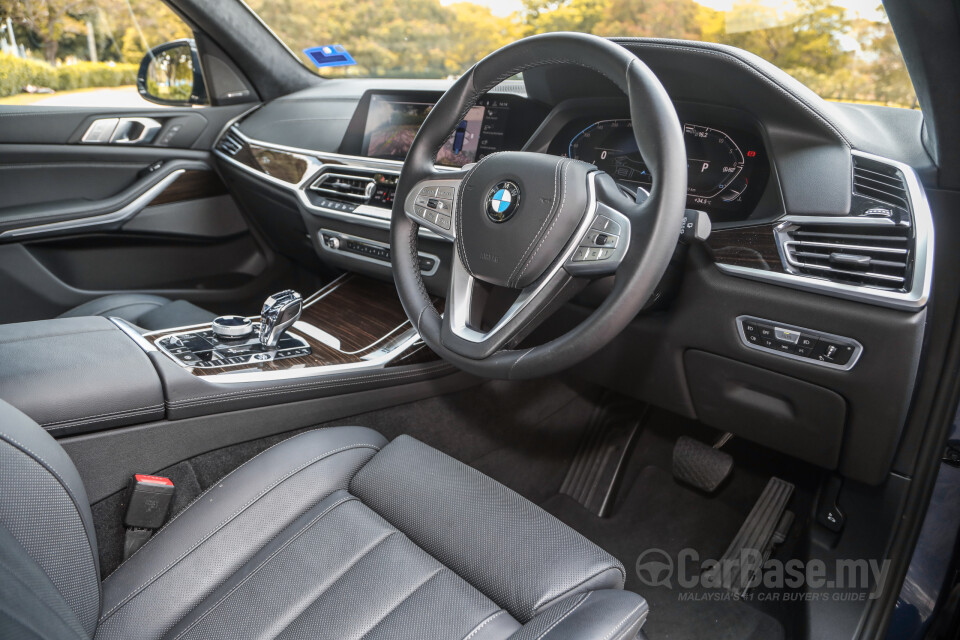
<point x="608" y="614"/>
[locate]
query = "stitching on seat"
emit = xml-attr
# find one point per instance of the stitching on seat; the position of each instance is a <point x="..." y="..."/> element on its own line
<point x="622" y="622"/>
<point x="480" y="626"/>
<point x="63" y="484"/>
<point x="386" y="615"/>
<point x="566" y="592"/>
<point x="226" y="521"/>
<point x="342" y="573"/>
<point x="564" y="616"/>
<point x="264" y="563"/>
<point x="211" y="488"/>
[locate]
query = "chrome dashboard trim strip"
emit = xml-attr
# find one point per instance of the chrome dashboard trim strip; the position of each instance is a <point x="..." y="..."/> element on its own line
<point x="132" y="332"/>
<point x="120" y="215"/>
<point x="918" y="293"/>
<point x="381" y="358"/>
<point x="360" y="256"/>
<point x="364" y="214"/>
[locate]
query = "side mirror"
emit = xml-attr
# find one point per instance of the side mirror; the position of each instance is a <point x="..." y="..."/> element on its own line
<point x="170" y="75"/>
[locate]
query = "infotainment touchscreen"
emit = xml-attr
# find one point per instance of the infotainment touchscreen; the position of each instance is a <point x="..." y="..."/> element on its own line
<point x="392" y="124"/>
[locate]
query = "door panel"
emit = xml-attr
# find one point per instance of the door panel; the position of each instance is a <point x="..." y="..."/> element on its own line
<point x="79" y="220"/>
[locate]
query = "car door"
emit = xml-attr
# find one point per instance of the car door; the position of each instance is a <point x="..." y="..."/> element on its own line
<point x="104" y="192"/>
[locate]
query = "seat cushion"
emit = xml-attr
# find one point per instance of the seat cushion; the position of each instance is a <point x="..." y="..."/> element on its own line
<point x="305" y="541"/>
<point x="149" y="312"/>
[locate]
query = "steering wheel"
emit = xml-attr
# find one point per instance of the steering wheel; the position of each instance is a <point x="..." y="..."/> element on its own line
<point x="531" y="229"/>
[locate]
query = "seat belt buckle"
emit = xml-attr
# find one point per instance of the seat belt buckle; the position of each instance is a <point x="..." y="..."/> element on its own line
<point x="150" y="498"/>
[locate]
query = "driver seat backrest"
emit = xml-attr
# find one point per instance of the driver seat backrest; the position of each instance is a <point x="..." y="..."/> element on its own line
<point x="49" y="571"/>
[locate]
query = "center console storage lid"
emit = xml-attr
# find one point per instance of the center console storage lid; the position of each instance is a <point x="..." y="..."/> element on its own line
<point x="73" y="375"/>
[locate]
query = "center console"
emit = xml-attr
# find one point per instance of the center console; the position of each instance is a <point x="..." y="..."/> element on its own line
<point x="75" y="375"/>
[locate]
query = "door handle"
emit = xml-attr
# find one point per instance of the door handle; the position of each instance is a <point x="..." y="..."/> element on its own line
<point x="133" y="130"/>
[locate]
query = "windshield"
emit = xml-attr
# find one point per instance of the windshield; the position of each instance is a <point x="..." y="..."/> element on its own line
<point x="842" y="49"/>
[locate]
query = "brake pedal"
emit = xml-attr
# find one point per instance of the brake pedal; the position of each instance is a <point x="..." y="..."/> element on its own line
<point x="766" y="526"/>
<point x="700" y="465"/>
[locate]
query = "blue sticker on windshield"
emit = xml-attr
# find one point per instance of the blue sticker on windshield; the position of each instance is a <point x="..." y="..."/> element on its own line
<point x="333" y="55"/>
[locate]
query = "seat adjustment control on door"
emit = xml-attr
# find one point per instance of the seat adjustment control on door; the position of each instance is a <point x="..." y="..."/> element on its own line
<point x="797" y="343"/>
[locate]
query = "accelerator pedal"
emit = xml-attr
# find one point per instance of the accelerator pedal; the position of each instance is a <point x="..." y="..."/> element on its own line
<point x="598" y="465"/>
<point x="699" y="465"/>
<point x="765" y="527"/>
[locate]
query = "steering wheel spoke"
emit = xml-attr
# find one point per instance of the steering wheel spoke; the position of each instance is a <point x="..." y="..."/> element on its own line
<point x="432" y="202"/>
<point x="469" y="331"/>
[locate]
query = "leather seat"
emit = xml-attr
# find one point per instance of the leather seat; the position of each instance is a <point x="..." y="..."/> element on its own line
<point x="146" y="311"/>
<point x="334" y="533"/>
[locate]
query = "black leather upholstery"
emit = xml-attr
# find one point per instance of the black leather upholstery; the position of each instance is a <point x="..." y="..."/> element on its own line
<point x="77" y="374"/>
<point x="331" y="534"/>
<point x="149" y="312"/>
<point x="44" y="508"/>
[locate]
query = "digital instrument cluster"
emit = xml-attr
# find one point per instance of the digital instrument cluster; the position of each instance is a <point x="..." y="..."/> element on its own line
<point x="727" y="169"/>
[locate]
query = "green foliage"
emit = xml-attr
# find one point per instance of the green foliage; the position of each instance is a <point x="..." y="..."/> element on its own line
<point x="95" y="74"/>
<point x="819" y="44"/>
<point x="16" y="73"/>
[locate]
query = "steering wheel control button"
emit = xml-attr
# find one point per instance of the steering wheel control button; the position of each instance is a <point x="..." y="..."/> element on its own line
<point x="503" y="200"/>
<point x="446" y="193"/>
<point x="443" y="221"/>
<point x="814" y="347"/>
<point x="605" y="224"/>
<point x="232" y="327"/>
<point x="428" y="192"/>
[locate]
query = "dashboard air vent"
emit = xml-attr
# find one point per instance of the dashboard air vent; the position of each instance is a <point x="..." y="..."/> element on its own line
<point x="230" y="144"/>
<point x="345" y="186"/>
<point x="880" y="182"/>
<point x="877" y="256"/>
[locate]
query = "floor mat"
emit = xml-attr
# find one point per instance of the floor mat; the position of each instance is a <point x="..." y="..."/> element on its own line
<point x="659" y="513"/>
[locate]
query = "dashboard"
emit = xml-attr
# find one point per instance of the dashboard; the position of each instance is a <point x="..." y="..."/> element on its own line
<point x="819" y="226"/>
<point x="728" y="164"/>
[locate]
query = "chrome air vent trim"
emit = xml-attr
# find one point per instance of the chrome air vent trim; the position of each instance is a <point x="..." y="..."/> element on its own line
<point x="879" y="181"/>
<point x="876" y="256"/>
<point x="914" y="295"/>
<point x="319" y="161"/>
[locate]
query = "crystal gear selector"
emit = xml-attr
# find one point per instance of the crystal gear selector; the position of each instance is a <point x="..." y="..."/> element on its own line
<point x="279" y="313"/>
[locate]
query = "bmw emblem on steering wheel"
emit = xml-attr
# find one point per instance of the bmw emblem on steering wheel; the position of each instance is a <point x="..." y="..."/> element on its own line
<point x="502" y="201"/>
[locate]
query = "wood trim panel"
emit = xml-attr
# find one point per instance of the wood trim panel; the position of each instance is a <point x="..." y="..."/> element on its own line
<point x="362" y="314"/>
<point x="191" y="185"/>
<point x="754" y="247"/>
<point x="282" y="165"/>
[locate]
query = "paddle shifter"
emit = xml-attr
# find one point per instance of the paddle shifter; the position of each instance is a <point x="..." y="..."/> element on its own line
<point x="279" y="313"/>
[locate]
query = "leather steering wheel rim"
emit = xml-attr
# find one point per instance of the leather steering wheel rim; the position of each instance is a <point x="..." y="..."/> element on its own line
<point x="654" y="224"/>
